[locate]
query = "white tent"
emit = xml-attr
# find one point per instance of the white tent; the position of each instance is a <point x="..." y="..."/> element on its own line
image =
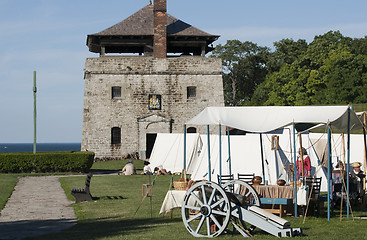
<point x="266" y="119"/>
<point x="246" y="157"/>
<point x="168" y="151"/>
<point x="246" y="154"/>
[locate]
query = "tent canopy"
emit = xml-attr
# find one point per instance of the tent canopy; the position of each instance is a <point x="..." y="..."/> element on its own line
<point x="265" y="119"/>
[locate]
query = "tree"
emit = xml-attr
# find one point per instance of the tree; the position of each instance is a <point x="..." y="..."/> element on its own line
<point x="332" y="69"/>
<point x="287" y="51"/>
<point x="244" y="68"/>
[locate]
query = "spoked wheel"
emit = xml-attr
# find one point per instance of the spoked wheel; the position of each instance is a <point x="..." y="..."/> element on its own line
<point x="245" y="195"/>
<point x="248" y="194"/>
<point x="206" y="210"/>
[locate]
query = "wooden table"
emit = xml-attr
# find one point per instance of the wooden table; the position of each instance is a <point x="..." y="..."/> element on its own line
<point x="275" y="195"/>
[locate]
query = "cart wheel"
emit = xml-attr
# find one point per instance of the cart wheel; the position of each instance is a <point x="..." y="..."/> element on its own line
<point x="249" y="194"/>
<point x="246" y="196"/>
<point x="206" y="210"/>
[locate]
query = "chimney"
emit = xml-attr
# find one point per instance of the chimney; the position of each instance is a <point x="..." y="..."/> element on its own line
<point x="160" y="29"/>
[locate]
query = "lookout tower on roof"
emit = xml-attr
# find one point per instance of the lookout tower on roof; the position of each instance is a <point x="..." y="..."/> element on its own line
<point x="128" y="99"/>
<point x="151" y="30"/>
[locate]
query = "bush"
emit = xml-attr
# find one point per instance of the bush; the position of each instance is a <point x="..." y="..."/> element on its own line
<point x="46" y="162"/>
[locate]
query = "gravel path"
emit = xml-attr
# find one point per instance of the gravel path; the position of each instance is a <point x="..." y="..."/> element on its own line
<point x="37" y="206"/>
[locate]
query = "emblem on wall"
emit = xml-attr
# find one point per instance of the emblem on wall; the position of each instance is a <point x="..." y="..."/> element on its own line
<point x="155" y="102"/>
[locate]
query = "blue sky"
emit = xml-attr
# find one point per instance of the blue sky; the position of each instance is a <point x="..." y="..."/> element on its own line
<point x="48" y="36"/>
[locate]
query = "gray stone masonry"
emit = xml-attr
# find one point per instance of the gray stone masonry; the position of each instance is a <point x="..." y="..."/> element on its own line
<point x="138" y="78"/>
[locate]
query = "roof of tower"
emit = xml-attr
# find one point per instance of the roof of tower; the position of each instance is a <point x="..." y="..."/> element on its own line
<point x="140" y="25"/>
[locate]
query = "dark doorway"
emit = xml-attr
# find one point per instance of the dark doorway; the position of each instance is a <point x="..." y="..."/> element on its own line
<point x="150" y="140"/>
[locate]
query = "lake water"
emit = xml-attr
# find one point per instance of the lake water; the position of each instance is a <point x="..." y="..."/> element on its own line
<point x="41" y="147"/>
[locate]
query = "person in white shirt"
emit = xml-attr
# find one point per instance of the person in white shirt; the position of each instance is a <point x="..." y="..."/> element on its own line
<point x="147" y="170"/>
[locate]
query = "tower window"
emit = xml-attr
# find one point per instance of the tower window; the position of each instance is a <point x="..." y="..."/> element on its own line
<point x="116" y="92"/>
<point x="115" y="135"/>
<point x="191" y="130"/>
<point x="191" y="92"/>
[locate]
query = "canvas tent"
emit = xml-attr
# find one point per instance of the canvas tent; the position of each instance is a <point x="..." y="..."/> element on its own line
<point x="245" y="154"/>
<point x="265" y="119"/>
<point x="168" y="151"/>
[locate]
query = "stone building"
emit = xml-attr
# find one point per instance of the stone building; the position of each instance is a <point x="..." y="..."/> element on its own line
<point x="150" y="77"/>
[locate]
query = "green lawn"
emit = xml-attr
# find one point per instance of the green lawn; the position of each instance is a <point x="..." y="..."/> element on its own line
<point x="7" y="184"/>
<point x="112" y="214"/>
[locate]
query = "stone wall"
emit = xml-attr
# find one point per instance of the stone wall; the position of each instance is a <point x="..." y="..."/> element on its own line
<point x="138" y="78"/>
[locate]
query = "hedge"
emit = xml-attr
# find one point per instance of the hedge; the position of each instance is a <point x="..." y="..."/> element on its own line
<point x="46" y="162"/>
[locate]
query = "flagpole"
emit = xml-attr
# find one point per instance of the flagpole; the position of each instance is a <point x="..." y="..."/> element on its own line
<point x="34" y="114"/>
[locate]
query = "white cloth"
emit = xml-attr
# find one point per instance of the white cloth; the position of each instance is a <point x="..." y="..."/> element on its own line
<point x="173" y="199"/>
<point x="302" y="196"/>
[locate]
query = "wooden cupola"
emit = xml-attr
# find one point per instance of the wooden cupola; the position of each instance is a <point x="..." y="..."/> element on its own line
<point x="151" y="31"/>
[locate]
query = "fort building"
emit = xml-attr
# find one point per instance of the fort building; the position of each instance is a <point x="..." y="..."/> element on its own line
<point x="151" y="76"/>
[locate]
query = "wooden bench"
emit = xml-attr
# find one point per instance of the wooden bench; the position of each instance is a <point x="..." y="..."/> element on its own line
<point x="274" y="202"/>
<point x="83" y="194"/>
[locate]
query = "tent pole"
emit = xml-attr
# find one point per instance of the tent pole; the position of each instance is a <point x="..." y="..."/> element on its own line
<point x="209" y="167"/>
<point x="328" y="169"/>
<point x="262" y="157"/>
<point x="229" y="153"/>
<point x="348" y="161"/>
<point x="301" y="157"/>
<point x="184" y="153"/>
<point x="295" y="170"/>
<point x="220" y="154"/>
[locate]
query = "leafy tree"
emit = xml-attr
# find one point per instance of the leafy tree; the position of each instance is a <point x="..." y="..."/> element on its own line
<point x="332" y="69"/>
<point x="244" y="68"/>
<point x="287" y="51"/>
<point x="345" y="77"/>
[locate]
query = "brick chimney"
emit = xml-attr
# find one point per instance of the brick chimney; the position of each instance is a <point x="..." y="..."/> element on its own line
<point x="160" y="29"/>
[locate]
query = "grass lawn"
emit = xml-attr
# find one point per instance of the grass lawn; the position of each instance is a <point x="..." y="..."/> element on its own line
<point x="7" y="184"/>
<point x="112" y="214"/>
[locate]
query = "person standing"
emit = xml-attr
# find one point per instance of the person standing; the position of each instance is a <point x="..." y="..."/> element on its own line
<point x="303" y="168"/>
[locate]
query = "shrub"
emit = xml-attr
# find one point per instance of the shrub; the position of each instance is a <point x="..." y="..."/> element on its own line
<point x="46" y="162"/>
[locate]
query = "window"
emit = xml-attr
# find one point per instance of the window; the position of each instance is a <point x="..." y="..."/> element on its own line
<point x="116" y="92"/>
<point x="191" y="92"/>
<point x="191" y="130"/>
<point x="115" y="135"/>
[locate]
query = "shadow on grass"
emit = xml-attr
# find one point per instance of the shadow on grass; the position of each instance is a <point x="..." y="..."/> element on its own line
<point x="104" y="171"/>
<point x="109" y="198"/>
<point x="31" y="228"/>
<point x="111" y="227"/>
